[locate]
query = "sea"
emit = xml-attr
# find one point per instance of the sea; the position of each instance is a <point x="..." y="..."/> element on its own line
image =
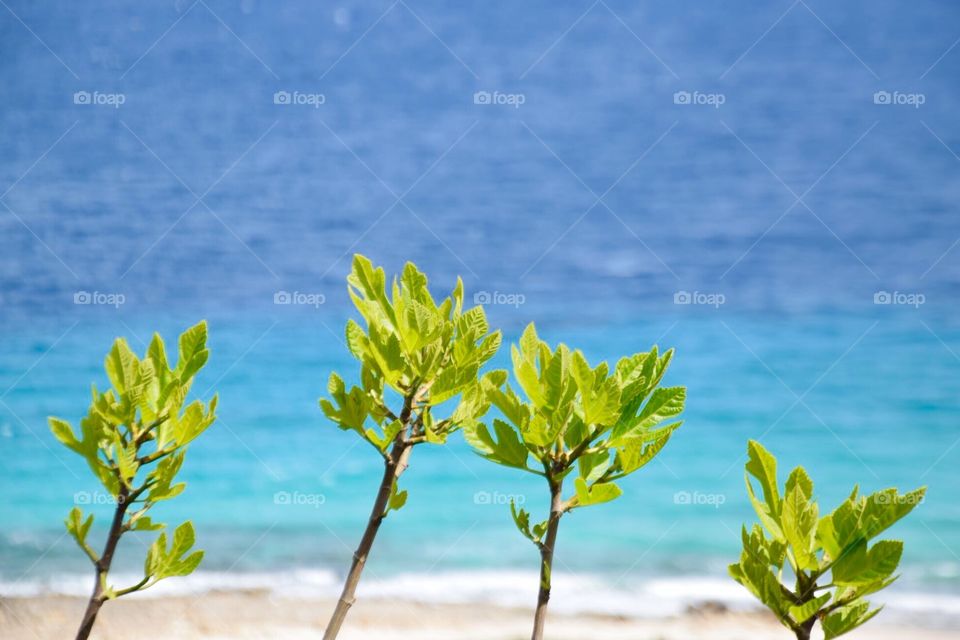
<point x="770" y="189"/>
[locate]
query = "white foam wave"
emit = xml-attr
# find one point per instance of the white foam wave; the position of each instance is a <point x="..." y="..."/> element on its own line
<point x="651" y="597"/>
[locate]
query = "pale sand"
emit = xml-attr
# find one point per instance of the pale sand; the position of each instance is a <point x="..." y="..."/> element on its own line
<point x="236" y="615"/>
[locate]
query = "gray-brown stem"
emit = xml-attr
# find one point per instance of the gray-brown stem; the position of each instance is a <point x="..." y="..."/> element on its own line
<point x="806" y="586"/>
<point x="102" y="566"/>
<point x="393" y="466"/>
<point x="546" y="557"/>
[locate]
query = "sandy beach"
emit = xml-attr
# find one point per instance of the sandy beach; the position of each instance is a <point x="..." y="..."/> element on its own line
<point x="254" y="614"/>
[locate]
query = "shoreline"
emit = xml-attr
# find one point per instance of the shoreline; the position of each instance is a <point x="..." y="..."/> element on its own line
<point x="223" y="615"/>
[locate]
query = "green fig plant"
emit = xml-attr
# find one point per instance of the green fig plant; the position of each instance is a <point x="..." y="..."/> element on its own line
<point x="134" y="439"/>
<point x="414" y="355"/>
<point x="829" y="558"/>
<point x="594" y="423"/>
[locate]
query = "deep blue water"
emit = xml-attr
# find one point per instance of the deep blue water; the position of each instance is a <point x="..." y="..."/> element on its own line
<point x="596" y="200"/>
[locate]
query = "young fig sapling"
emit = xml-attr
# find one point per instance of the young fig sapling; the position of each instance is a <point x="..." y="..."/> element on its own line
<point x="415" y="354"/>
<point x="134" y="439"/>
<point x="598" y="424"/>
<point x="793" y="536"/>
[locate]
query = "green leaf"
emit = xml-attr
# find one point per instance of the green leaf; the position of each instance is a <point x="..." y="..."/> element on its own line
<point x="595" y="494"/>
<point x="883" y="508"/>
<point x="525" y="372"/>
<point x="397" y="499"/>
<point x="799" y="519"/>
<point x="763" y="466"/>
<point x="857" y="566"/>
<point x="473" y="323"/>
<point x="510" y="405"/>
<point x="193" y="352"/>
<point x="157" y="353"/>
<point x="368" y="291"/>
<point x="804" y="612"/>
<point x="637" y="453"/>
<point x="165" y="563"/>
<point x="882" y="560"/>
<point x="594" y="465"/>
<point x="761" y="581"/>
<point x="847" y="619"/>
<point x="842" y="527"/>
<point x="663" y="403"/>
<point x="193" y="422"/>
<point x="121" y="365"/>
<point x="125" y="457"/>
<point x="63" y="432"/>
<point x="357" y="341"/>
<point x="163" y="476"/>
<point x="144" y="523"/>
<point x="599" y="396"/>
<point x="351" y="409"/>
<point x="507" y="449"/>
<point x="522" y="520"/>
<point x="530" y="342"/>
<point x="77" y="527"/>
<point x="541" y="432"/>
<point x="415" y="283"/>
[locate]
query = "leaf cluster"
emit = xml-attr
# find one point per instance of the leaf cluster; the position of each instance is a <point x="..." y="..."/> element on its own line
<point x="423" y="352"/>
<point x="134" y="439"/>
<point x="830" y="556"/>
<point x="604" y="423"/>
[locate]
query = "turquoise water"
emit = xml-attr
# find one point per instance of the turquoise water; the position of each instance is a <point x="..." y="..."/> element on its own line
<point x="877" y="409"/>
<point x="588" y="208"/>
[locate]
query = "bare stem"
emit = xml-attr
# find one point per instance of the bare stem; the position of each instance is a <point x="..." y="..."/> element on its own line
<point x="393" y="466"/>
<point x="806" y="585"/>
<point x="102" y="566"/>
<point x="803" y="631"/>
<point x="546" y="556"/>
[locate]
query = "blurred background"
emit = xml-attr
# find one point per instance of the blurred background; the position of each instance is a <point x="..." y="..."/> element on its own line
<point x="770" y="189"/>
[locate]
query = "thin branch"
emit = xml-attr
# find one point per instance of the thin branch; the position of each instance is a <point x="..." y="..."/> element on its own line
<point x="137" y="587"/>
